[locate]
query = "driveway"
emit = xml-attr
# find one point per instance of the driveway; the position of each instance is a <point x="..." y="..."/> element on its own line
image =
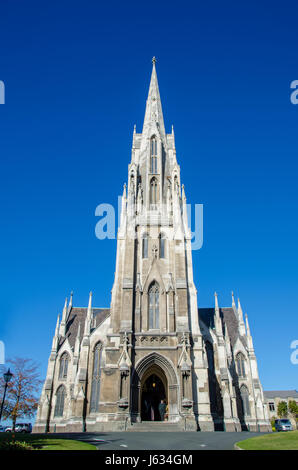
<point x="162" y="440"/>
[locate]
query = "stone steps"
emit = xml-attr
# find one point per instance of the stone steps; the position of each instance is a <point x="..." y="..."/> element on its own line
<point x="154" y="426"/>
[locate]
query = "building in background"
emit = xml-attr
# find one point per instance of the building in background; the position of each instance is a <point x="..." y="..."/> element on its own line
<point x="109" y="368"/>
<point x="274" y="397"/>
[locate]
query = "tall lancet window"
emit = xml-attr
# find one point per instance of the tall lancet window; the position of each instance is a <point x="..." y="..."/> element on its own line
<point x="240" y="364"/>
<point x="145" y="246"/>
<point x="96" y="374"/>
<point x="60" y="399"/>
<point x="63" y="366"/>
<point x="162" y="246"/>
<point x="154" y="307"/>
<point x="153" y="193"/>
<point x="245" y="400"/>
<point x="153" y="155"/>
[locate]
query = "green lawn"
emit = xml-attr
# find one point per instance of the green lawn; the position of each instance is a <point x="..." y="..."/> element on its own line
<point x="275" y="441"/>
<point x="47" y="441"/>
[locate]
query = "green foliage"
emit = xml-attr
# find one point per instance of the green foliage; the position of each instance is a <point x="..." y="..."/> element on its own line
<point x="15" y="445"/>
<point x="293" y="409"/>
<point x="282" y="409"/>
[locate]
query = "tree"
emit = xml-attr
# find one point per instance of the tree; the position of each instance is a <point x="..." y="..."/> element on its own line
<point x="293" y="409"/>
<point x="21" y="399"/>
<point x="282" y="409"/>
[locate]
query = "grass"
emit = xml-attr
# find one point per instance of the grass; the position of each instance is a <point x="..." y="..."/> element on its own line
<point x="47" y="441"/>
<point x="275" y="441"/>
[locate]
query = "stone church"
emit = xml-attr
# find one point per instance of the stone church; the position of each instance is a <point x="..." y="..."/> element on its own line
<point x="110" y="368"/>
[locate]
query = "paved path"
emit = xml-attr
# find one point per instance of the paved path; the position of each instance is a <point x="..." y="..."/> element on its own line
<point x="162" y="440"/>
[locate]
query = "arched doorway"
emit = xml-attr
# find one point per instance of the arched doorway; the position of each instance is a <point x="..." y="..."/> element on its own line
<point x="153" y="390"/>
<point x="154" y="364"/>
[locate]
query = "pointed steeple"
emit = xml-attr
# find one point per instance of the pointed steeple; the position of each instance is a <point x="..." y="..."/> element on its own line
<point x="248" y="334"/>
<point x="88" y="317"/>
<point x="240" y="319"/>
<point x="89" y="310"/>
<point x="218" y="323"/>
<point x="56" y="336"/>
<point x="233" y="301"/>
<point x="216" y="302"/>
<point x="70" y="303"/>
<point x="63" y="320"/>
<point x="153" y="114"/>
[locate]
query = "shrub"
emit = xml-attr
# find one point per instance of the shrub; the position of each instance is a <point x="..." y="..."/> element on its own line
<point x="15" y="445"/>
<point x="282" y="409"/>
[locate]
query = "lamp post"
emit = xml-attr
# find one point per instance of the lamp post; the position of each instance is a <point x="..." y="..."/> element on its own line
<point x="7" y="378"/>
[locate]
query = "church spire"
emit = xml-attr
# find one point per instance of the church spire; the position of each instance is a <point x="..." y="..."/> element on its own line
<point x="217" y="320"/>
<point x="63" y="321"/>
<point x="70" y="303"/>
<point x="153" y="115"/>
<point x="88" y="319"/>
<point x="248" y="335"/>
<point x="233" y="301"/>
<point x="56" y="336"/>
<point x="240" y="319"/>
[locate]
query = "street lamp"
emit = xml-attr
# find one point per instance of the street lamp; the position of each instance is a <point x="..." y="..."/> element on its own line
<point x="7" y="378"/>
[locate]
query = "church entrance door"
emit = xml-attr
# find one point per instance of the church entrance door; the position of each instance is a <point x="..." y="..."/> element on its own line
<point x="153" y="391"/>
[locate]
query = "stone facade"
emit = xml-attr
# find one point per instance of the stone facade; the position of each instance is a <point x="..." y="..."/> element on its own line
<point x="110" y="368"/>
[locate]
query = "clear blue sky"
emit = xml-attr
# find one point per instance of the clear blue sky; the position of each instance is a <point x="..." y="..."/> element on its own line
<point x="77" y="75"/>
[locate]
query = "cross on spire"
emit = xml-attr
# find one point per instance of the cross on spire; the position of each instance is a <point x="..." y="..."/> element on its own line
<point x="153" y="60"/>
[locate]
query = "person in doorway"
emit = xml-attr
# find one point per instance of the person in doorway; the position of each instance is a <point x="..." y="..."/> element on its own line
<point x="167" y="413"/>
<point x="162" y="409"/>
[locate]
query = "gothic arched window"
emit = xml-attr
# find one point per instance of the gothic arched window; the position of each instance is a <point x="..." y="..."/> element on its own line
<point x="60" y="399"/>
<point x="96" y="374"/>
<point x="245" y="400"/>
<point x="145" y="246"/>
<point x="153" y="192"/>
<point x="154" y="306"/>
<point x="153" y="153"/>
<point x="240" y="365"/>
<point x="162" y="246"/>
<point x="63" y="366"/>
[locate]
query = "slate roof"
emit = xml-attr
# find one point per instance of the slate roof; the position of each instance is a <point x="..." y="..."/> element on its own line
<point x="206" y="315"/>
<point x="281" y="393"/>
<point x="77" y="316"/>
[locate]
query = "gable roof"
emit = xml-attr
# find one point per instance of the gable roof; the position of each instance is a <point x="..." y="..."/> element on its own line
<point x="77" y="316"/>
<point x="230" y="321"/>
